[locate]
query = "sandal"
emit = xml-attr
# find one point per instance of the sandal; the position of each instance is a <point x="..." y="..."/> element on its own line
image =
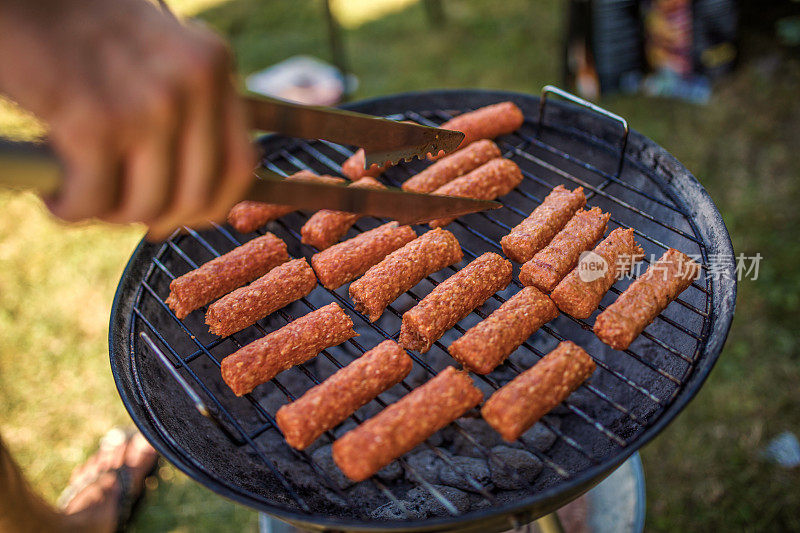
<point x="129" y="498"/>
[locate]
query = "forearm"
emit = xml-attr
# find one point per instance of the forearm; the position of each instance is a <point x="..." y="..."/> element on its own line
<point x="20" y="509"/>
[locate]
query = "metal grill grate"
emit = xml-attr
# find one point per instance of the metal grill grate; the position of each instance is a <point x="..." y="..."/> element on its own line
<point x="626" y="395"/>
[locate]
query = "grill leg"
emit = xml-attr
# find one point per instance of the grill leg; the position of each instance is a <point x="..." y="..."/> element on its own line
<point x="550" y="523"/>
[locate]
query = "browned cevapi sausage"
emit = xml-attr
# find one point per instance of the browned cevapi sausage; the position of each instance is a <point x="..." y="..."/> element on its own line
<point x="520" y="403"/>
<point x="536" y="231"/>
<point x="581" y="291"/>
<point x="323" y="407"/>
<point x="294" y="343"/>
<point x="487" y="344"/>
<point x="484" y="123"/>
<point x="554" y="261"/>
<point x="645" y="298"/>
<point x="402" y="269"/>
<point x="452" y="166"/>
<point x="491" y="180"/>
<point x="276" y="289"/>
<point x="406" y="423"/>
<point x="220" y="276"/>
<point x="353" y="167"/>
<point x="452" y="300"/>
<point x="348" y="260"/>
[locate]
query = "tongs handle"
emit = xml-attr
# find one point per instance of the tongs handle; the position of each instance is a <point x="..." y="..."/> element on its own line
<point x="32" y="166"/>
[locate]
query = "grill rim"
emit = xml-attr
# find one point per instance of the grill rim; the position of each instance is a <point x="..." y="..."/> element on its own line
<point x="662" y="166"/>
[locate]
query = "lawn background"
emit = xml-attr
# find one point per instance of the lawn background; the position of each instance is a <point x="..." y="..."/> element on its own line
<point x="703" y="473"/>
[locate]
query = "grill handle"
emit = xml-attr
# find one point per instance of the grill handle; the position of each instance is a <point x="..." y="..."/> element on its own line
<point x="32" y="166"/>
<point x="552" y="89"/>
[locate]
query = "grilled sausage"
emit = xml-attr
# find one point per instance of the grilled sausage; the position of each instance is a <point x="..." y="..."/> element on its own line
<point x="339" y="396"/>
<point x="491" y="180"/>
<point x="452" y="300"/>
<point x="580" y="292"/>
<point x="295" y="343"/>
<point x="520" y="403"/>
<point x="452" y="166"/>
<point x="487" y="344"/>
<point x="326" y="227"/>
<point x="353" y="167"/>
<point x="276" y="289"/>
<point x="348" y="260"/>
<point x="486" y="122"/>
<point x="225" y="273"/>
<point x="536" y="231"/>
<point x="645" y="298"/>
<point x="402" y="269"/>
<point x="405" y="424"/>
<point x="554" y="261"/>
<point x="248" y="216"/>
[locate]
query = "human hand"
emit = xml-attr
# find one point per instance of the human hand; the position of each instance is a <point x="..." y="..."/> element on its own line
<point x="142" y="109"/>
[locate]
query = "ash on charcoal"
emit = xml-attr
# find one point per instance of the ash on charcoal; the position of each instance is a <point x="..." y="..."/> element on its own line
<point x="510" y="496"/>
<point x="456" y="475"/>
<point x="428" y="505"/>
<point x="324" y="460"/>
<point x="420" y="503"/>
<point x="366" y="495"/>
<point x="512" y="468"/>
<point x="297" y="470"/>
<point x="425" y="464"/>
<point x="317" y="444"/>
<point x="541" y="437"/>
<point x="476" y="501"/>
<point x="273" y="401"/>
<point x="581" y="398"/>
<point x="448" y="434"/>
<point x="392" y="511"/>
<point x="390" y="472"/>
<point x="271" y="442"/>
<point x="434" y="440"/>
<point x="303" y="476"/>
<point x="480" y="431"/>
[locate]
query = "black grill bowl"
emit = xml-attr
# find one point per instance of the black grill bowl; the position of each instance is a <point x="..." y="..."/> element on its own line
<point x="631" y="397"/>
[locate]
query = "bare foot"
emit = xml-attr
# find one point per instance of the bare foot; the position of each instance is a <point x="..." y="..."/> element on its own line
<point x="95" y="508"/>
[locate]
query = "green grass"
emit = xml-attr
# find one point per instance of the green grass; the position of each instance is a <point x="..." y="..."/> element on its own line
<point x="703" y="472"/>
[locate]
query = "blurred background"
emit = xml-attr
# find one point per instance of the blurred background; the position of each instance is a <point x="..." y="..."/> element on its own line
<point x="716" y="84"/>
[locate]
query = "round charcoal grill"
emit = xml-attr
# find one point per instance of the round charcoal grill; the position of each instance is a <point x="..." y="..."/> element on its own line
<point x="236" y="449"/>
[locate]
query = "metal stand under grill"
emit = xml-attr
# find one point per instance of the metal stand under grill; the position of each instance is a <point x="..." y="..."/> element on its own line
<point x="238" y="450"/>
